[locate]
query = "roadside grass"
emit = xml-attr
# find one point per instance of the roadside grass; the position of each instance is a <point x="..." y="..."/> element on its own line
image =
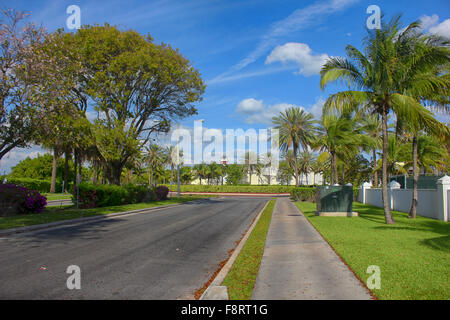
<point x="413" y="254"/>
<point x="240" y="281"/>
<point x="57" y="196"/>
<point x="52" y="214"/>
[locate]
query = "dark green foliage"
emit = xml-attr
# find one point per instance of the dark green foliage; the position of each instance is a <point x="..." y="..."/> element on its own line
<point x="42" y="186"/>
<point x="303" y="194"/>
<point x="235" y="174"/>
<point x="92" y="195"/>
<point x="41" y="168"/>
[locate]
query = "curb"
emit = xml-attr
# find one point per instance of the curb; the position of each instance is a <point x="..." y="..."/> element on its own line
<point x="80" y="221"/>
<point x="215" y="290"/>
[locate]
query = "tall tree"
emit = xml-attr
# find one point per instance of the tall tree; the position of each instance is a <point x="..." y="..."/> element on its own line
<point x="155" y="159"/>
<point x="372" y="78"/>
<point x="17" y="114"/>
<point x="137" y="87"/>
<point x="336" y="136"/>
<point x="296" y="129"/>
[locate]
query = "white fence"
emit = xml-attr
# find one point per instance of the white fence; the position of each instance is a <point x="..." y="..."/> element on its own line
<point x="431" y="203"/>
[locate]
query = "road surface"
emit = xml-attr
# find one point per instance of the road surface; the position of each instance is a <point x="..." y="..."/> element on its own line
<point x="164" y="254"/>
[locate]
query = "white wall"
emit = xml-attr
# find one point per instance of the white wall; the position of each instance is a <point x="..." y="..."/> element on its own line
<point x="430" y="202"/>
<point x="374" y="197"/>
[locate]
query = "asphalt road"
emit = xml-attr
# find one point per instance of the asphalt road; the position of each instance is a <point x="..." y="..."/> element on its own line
<point x="164" y="254"/>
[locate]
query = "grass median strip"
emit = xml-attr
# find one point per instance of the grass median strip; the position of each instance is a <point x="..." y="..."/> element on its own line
<point x="52" y="214"/>
<point x="413" y="254"/>
<point x="241" y="278"/>
<point x="57" y="196"/>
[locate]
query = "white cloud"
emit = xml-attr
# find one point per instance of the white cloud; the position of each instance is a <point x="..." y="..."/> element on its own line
<point x="300" y="54"/>
<point x="429" y="21"/>
<point x="250" y="106"/>
<point x="442" y="29"/>
<point x="432" y="25"/>
<point x="316" y="109"/>
<point x="254" y="111"/>
<point x="299" y="19"/>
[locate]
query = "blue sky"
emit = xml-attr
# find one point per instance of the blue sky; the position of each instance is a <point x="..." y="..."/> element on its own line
<point x="257" y="57"/>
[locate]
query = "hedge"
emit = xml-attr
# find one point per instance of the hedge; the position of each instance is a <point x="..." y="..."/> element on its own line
<point x="309" y="194"/>
<point x="42" y="186"/>
<point x="104" y="195"/>
<point x="228" y="188"/>
<point x="303" y="194"/>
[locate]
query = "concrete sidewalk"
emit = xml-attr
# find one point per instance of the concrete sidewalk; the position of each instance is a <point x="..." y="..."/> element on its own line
<point x="299" y="264"/>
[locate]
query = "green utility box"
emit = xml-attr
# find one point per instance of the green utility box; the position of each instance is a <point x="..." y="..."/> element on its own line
<point x="335" y="201"/>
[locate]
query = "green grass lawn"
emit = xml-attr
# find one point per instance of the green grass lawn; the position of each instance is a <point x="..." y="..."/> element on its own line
<point x="52" y="214"/>
<point x="57" y="196"/>
<point x="413" y="254"/>
<point x="241" y="278"/>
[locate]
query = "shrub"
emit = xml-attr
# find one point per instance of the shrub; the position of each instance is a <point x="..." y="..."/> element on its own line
<point x="162" y="192"/>
<point x="136" y="193"/>
<point x="42" y="186"/>
<point x="92" y="195"/>
<point x="19" y="200"/>
<point x="303" y="194"/>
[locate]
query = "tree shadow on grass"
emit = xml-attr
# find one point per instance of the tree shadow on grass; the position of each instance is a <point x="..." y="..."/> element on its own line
<point x="438" y="243"/>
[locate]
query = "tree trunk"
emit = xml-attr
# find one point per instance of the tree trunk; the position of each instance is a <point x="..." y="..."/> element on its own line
<point x="66" y="170"/>
<point x="384" y="175"/>
<point x="375" y="173"/>
<point x="116" y="172"/>
<point x="334" y="175"/>
<point x="75" y="166"/>
<point x="80" y="167"/>
<point x="413" y="211"/>
<point x="54" y="164"/>
<point x="295" y="166"/>
<point x="171" y="176"/>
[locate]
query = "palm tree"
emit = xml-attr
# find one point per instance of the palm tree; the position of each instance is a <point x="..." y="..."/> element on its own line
<point x="287" y="166"/>
<point x="200" y="171"/>
<point x="213" y="172"/>
<point x="250" y="160"/>
<point x="426" y="82"/>
<point x="305" y="163"/>
<point x="370" y="126"/>
<point x="154" y="158"/>
<point x="396" y="155"/>
<point x="377" y="83"/>
<point x="296" y="129"/>
<point x="336" y="136"/>
<point x="264" y="165"/>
